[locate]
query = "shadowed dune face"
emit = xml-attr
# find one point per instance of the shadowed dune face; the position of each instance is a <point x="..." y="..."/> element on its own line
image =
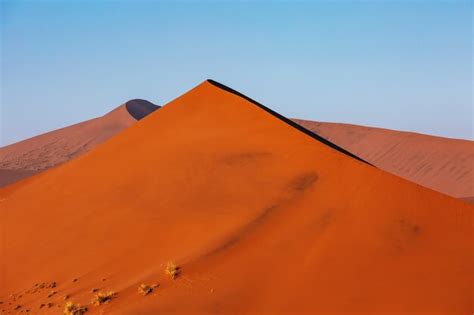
<point x="11" y="176"/>
<point x="442" y="164"/>
<point x="50" y="149"/>
<point x="468" y="199"/>
<point x="261" y="218"/>
<point x="140" y="108"/>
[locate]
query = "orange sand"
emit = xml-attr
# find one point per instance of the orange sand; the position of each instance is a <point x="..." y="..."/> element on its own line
<point x="262" y="219"/>
<point x="28" y="157"/>
<point x="443" y="164"/>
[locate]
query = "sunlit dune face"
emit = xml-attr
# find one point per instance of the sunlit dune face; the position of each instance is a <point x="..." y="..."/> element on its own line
<point x="231" y="210"/>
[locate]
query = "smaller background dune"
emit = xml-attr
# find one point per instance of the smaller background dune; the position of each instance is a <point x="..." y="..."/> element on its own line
<point x="31" y="156"/>
<point x="442" y="164"/>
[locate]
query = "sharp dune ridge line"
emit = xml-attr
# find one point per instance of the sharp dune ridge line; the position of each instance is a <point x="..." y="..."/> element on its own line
<point x="255" y="216"/>
<point x="288" y="121"/>
<point x="442" y="164"/>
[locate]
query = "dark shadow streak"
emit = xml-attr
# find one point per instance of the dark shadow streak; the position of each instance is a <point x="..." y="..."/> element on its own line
<point x="288" y="121"/>
<point x="244" y="230"/>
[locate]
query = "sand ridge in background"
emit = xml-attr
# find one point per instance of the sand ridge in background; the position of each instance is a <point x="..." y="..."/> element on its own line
<point x="261" y="218"/>
<point x="28" y="157"/>
<point x="442" y="164"/>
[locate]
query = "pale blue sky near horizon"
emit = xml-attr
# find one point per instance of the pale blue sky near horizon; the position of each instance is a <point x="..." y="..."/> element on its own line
<point x="404" y="65"/>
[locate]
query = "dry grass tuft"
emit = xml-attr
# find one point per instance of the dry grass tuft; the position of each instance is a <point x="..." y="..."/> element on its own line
<point x="41" y="285"/>
<point x="103" y="297"/>
<point x="172" y="270"/>
<point x="74" y="309"/>
<point x="145" y="289"/>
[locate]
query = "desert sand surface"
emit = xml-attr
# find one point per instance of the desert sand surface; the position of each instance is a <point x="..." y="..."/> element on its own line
<point x="11" y="176"/>
<point x="468" y="199"/>
<point x="31" y="156"/>
<point x="258" y="216"/>
<point x="443" y="164"/>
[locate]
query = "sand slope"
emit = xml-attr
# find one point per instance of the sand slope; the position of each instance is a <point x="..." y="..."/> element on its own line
<point x="468" y="199"/>
<point x="261" y="217"/>
<point x="36" y="154"/>
<point x="11" y="176"/>
<point x="443" y="164"/>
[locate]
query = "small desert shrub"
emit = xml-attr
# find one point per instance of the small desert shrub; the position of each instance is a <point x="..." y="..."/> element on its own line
<point x="172" y="270"/>
<point x="40" y="285"/>
<point x="103" y="297"/>
<point x="144" y="289"/>
<point x="74" y="309"/>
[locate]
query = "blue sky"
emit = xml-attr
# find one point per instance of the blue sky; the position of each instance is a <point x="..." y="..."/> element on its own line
<point x="396" y="64"/>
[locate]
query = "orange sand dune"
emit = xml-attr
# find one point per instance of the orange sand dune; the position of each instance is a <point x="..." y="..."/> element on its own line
<point x="261" y="217"/>
<point x="36" y="154"/>
<point x="443" y="164"/>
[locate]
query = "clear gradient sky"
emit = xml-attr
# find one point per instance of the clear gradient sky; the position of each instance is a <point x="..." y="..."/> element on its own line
<point x="403" y="65"/>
